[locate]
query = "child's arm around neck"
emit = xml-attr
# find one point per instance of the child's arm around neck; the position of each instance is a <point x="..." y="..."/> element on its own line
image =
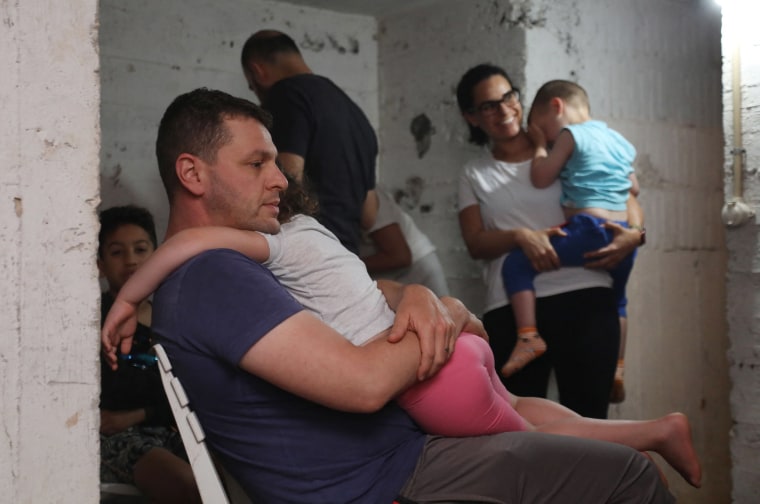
<point x="121" y="322"/>
<point x="546" y="165"/>
<point x="185" y="245"/>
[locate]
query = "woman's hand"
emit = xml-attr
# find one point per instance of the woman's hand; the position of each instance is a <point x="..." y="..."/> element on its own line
<point x="539" y="250"/>
<point x="624" y="243"/>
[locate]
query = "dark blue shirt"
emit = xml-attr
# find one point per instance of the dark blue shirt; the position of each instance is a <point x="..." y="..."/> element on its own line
<point x="316" y="120"/>
<point x="280" y="447"/>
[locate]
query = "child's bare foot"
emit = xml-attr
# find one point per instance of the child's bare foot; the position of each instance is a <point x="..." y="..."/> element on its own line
<point x="677" y="449"/>
<point x="528" y="347"/>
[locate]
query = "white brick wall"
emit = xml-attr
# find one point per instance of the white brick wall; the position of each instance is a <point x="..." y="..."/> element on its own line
<point x="743" y="293"/>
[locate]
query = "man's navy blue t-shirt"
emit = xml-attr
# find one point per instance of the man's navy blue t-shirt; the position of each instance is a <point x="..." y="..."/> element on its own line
<point x="281" y="448"/>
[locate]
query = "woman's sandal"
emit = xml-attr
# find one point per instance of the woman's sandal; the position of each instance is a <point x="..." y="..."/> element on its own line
<point x="527" y="348"/>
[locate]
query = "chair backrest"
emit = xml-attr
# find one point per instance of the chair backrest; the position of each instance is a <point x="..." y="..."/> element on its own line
<point x="206" y="477"/>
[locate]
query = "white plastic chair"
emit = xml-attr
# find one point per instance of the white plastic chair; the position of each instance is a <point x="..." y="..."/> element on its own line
<point x="206" y="477"/>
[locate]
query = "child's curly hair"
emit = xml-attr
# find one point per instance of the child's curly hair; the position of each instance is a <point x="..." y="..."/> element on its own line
<point x="296" y="199"/>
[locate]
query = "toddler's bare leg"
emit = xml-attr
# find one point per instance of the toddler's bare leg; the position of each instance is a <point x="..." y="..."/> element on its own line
<point x="530" y="344"/>
<point x="670" y="436"/>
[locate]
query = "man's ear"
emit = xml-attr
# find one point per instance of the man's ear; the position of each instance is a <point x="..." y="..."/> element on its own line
<point x="190" y="173"/>
<point x="258" y="71"/>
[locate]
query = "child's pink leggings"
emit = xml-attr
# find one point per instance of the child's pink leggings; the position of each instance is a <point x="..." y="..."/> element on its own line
<point x="466" y="397"/>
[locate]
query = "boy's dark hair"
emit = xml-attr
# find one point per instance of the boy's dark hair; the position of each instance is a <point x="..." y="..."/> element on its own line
<point x="265" y="45"/>
<point x="295" y="200"/>
<point x="113" y="218"/>
<point x="194" y="124"/>
<point x="566" y="90"/>
<point x="465" y="100"/>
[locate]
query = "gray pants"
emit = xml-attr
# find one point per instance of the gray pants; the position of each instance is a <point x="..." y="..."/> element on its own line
<point x="532" y="468"/>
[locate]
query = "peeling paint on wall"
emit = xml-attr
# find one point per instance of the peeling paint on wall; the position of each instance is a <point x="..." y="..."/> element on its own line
<point x="318" y="44"/>
<point x="352" y="45"/>
<point x="115" y="176"/>
<point x="311" y="44"/>
<point x="422" y="130"/>
<point x="520" y="15"/>
<point x="409" y="197"/>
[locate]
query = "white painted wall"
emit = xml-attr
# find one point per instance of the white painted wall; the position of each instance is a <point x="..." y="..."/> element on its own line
<point x="651" y="68"/>
<point x="49" y="137"/>
<point x="743" y="293"/>
<point x="153" y="51"/>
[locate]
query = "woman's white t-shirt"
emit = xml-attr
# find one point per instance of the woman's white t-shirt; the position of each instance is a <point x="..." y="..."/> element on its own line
<point x="388" y="212"/>
<point x="508" y="200"/>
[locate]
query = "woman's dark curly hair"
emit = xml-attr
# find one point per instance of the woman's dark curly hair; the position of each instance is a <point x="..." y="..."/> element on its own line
<point x="465" y="100"/>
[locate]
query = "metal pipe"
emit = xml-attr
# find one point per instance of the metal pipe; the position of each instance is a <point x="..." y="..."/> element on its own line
<point x="735" y="211"/>
<point x="736" y="92"/>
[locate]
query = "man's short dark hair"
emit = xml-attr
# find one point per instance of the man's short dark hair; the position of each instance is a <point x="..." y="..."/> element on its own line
<point x="194" y="124"/>
<point x="465" y="99"/>
<point x="266" y="45"/>
<point x="113" y="218"/>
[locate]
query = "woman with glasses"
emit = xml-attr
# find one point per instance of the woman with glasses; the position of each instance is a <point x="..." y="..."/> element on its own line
<point x="500" y="210"/>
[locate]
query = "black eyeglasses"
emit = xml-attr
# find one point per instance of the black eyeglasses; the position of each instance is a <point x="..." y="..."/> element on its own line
<point x="492" y="106"/>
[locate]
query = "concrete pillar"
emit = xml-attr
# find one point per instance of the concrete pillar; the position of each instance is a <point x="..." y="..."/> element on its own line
<point x="49" y="141"/>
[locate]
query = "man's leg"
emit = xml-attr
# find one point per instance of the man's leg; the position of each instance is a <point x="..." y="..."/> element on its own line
<point x="533" y="468"/>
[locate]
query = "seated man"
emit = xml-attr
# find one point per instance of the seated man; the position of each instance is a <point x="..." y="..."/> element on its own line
<point x="295" y="411"/>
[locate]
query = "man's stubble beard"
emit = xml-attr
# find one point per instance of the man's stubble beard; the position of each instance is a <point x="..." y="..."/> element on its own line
<point x="221" y="204"/>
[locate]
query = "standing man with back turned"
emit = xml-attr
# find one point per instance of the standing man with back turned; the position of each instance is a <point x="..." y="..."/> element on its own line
<point x="322" y="136"/>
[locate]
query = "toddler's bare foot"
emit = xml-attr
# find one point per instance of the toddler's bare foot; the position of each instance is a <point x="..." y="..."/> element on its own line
<point x="527" y="348"/>
<point x="677" y="448"/>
